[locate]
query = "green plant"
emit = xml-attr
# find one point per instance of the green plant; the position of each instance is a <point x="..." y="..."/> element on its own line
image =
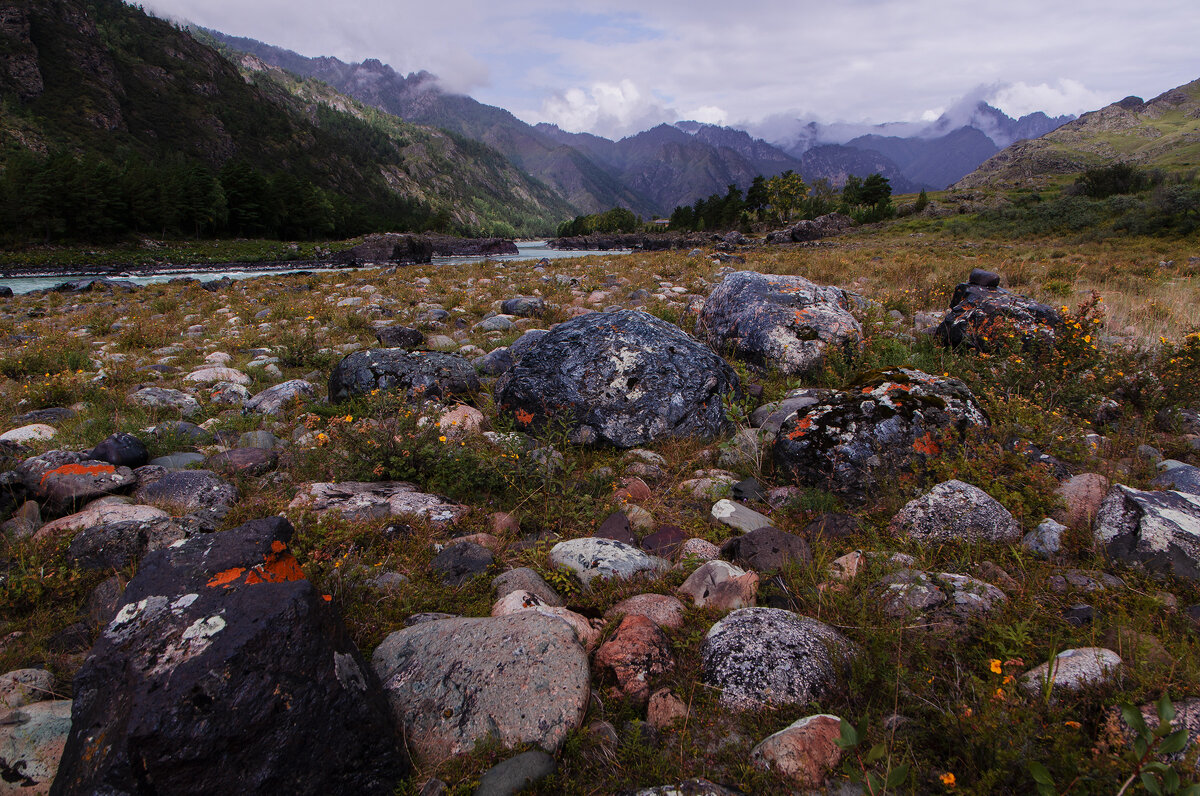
<point x="872" y="770"/>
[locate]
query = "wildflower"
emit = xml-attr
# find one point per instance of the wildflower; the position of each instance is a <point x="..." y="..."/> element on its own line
<point x="1074" y="725"/>
<point x="999" y="694"/>
<point x="994" y="664"/>
<point x="948" y="779"/>
<point x="442" y="438"/>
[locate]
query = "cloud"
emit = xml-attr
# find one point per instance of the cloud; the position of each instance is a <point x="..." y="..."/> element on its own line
<point x="1062" y="97"/>
<point x="612" y="110"/>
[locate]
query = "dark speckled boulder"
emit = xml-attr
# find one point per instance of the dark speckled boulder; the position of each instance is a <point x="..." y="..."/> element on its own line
<point x="1161" y="530"/>
<point x="887" y="421"/>
<point x="419" y="375"/>
<point x="783" y="322"/>
<point x="981" y="311"/>
<point x="619" y="378"/>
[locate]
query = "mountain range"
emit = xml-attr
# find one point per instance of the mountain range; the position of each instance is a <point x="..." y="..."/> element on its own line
<point x="653" y="171"/>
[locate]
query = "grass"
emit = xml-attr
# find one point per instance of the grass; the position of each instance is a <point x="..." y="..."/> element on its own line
<point x="956" y="714"/>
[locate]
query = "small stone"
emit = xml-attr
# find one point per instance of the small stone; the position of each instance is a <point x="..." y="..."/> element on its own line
<point x="737" y="516"/>
<point x="661" y="609"/>
<point x="459" y="563"/>
<point x="665" y="541"/>
<point x="35" y="432"/>
<point x="637" y="653"/>
<point x="525" y="579"/>
<point x="1073" y="669"/>
<point x="1082" y="495"/>
<point x="766" y="549"/>
<point x="616" y="526"/>
<point x="516" y="774"/>
<point x="721" y="585"/>
<point x="1046" y="539"/>
<point x="24" y="686"/>
<point x="461" y="421"/>
<point x="1079" y="615"/>
<point x="699" y="550"/>
<point x="664" y="709"/>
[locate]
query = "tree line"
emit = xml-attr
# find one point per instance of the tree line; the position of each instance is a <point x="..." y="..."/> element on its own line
<point x="785" y="198"/>
<point x="68" y="197"/>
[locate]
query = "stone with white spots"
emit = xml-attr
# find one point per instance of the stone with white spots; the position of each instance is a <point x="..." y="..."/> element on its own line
<point x="595" y="557"/>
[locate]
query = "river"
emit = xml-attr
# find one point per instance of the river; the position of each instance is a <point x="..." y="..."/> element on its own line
<point x="526" y="250"/>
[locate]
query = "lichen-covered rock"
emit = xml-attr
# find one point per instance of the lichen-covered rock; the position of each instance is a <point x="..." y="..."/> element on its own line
<point x="981" y="314"/>
<point x="768" y="656"/>
<point x="24" y="686"/>
<point x="783" y="322"/>
<point x="31" y="745"/>
<point x="164" y="399"/>
<point x="1159" y="529"/>
<point x="418" y="375"/>
<point x="594" y="557"/>
<point x="886" y="422"/>
<point x="226" y="671"/>
<point x="361" y="500"/>
<point x="272" y="400"/>
<point x="954" y="511"/>
<point x="620" y="378"/>
<point x="521" y="678"/>
<point x="65" y="479"/>
<point x="1072" y="670"/>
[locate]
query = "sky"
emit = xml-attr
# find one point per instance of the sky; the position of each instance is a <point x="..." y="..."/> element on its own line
<point x="614" y="67"/>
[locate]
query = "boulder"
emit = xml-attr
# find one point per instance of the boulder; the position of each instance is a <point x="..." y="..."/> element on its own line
<point x="418" y="375"/>
<point x="786" y="323"/>
<point x="31" y="745"/>
<point x="804" y="752"/>
<point x="121" y="449"/>
<point x="25" y="686"/>
<point x="34" y="432"/>
<point x="390" y="247"/>
<point x="954" y="511"/>
<point x="273" y="400"/>
<point x="460" y="562"/>
<point x="721" y="585"/>
<point x="1159" y="529"/>
<point x="980" y="314"/>
<point x="661" y="609"/>
<point x="65" y="479"/>
<point x="359" y="500"/>
<point x="516" y="774"/>
<point x="525" y="579"/>
<point x="637" y="654"/>
<point x="591" y="558"/>
<point x="521" y="678"/>
<point x="201" y="494"/>
<point x="226" y="671"/>
<point x="889" y="421"/>
<point x="620" y="378"/>
<point x="524" y="306"/>
<point x="766" y="549"/>
<point x="768" y="656"/>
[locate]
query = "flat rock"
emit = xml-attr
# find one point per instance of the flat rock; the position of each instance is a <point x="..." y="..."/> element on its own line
<point x="603" y="558"/>
<point x="274" y="399"/>
<point x="244" y="461"/>
<point x="783" y="322"/>
<point x="1161" y="530"/>
<point x="516" y="774"/>
<point x="64" y="479"/>
<point x="418" y="376"/>
<point x="35" y="432"/>
<point x="24" y="686"/>
<point x="768" y="656"/>
<point x="216" y="374"/>
<point x="736" y="516"/>
<point x="525" y="579"/>
<point x="1073" y="669"/>
<point x="618" y="378"/>
<point x="521" y="678"/>
<point x="954" y="511"/>
<point x="162" y="398"/>
<point x="101" y="514"/>
<point x="767" y="549"/>
<point x="358" y="500"/>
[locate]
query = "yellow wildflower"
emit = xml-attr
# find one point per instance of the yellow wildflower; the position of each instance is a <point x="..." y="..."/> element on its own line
<point x="994" y="664"/>
<point x="948" y="779"/>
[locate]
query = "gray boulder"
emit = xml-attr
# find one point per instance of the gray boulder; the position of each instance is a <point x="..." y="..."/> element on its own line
<point x="524" y="307"/>
<point x="362" y="500"/>
<point x="954" y="511"/>
<point x="62" y="480"/>
<point x="621" y="378"/>
<point x="783" y="322"/>
<point x="1161" y="530"/>
<point x="1072" y="670"/>
<point x="419" y="375"/>
<point x="888" y="421"/>
<point x="201" y="494"/>
<point x="594" y="557"/>
<point x="980" y="313"/>
<point x="162" y="398"/>
<point x="272" y="400"/>
<point x="520" y="678"/>
<point x="768" y="656"/>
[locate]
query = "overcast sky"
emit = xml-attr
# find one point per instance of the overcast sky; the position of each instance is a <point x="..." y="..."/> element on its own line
<point x="621" y="66"/>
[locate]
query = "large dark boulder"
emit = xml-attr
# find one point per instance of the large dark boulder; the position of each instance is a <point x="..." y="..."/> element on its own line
<point x="227" y="672"/>
<point x="621" y="378"/>
<point x="981" y="312"/>
<point x="1159" y="530"/>
<point x="389" y="247"/>
<point x="63" y="480"/>
<point x="783" y="322"/>
<point x="886" y="422"/>
<point x="420" y="375"/>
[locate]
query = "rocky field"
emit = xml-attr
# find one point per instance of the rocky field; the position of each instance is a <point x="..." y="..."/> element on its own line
<point x="907" y="515"/>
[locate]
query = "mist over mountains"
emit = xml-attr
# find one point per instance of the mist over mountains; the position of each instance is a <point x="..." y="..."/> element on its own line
<point x="655" y="170"/>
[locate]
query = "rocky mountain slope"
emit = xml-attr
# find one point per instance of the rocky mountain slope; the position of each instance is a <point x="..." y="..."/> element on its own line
<point x="105" y="80"/>
<point x="1162" y="133"/>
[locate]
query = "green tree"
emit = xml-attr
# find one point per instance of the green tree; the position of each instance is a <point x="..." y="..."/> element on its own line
<point x="784" y="191"/>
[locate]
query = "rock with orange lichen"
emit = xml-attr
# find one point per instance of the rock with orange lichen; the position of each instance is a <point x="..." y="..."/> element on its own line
<point x="226" y="671"/>
<point x="62" y="480"/>
<point x="782" y="322"/>
<point x="886" y="422"/>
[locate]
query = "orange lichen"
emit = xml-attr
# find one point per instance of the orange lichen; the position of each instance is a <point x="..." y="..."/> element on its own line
<point x="80" y="469"/>
<point x="279" y="566"/>
<point x="802" y="426"/>
<point x="927" y="445"/>
<point x="523" y="417"/>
